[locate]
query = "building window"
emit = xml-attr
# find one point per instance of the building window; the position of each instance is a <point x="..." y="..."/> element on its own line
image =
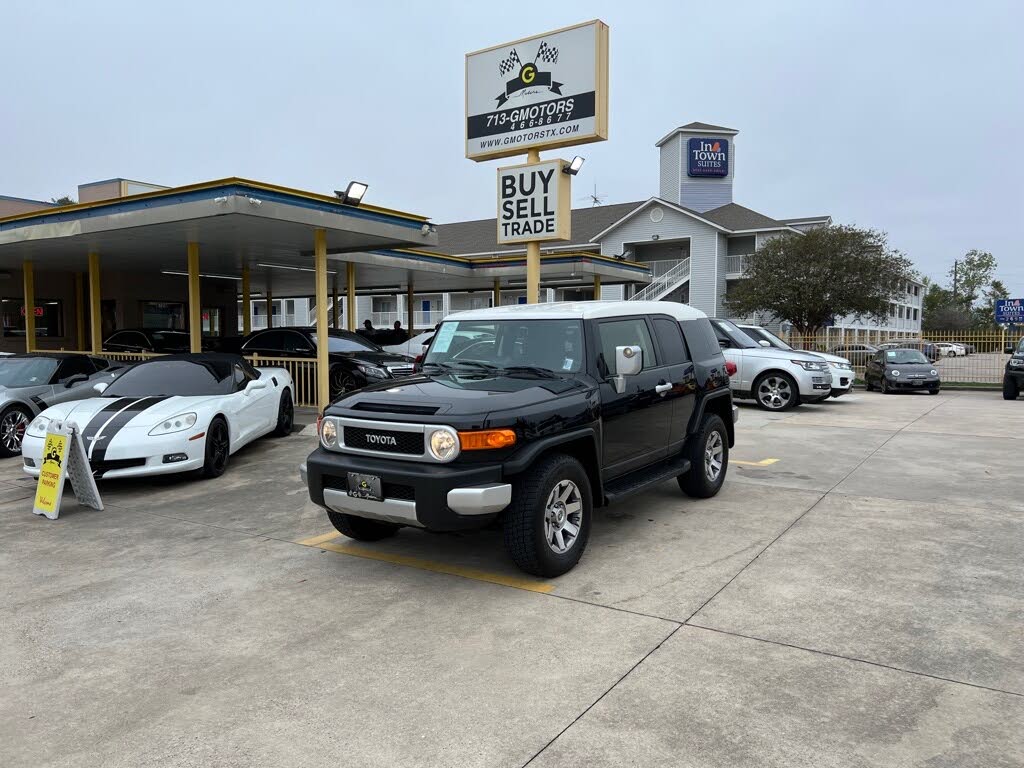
<point x="211" y="321"/>
<point x="917" y="290"/>
<point x="49" y="314"/>
<point x="899" y="312"/>
<point x="167" y="315"/>
<point x="915" y="314"/>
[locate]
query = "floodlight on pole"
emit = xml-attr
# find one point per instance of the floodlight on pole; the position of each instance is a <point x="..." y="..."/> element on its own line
<point x="574" y="166"/>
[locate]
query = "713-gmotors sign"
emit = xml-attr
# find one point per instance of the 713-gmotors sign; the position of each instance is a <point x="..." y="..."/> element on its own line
<point x="533" y="202"/>
<point x="541" y="92"/>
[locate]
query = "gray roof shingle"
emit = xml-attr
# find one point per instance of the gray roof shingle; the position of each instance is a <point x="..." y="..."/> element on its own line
<point x="704" y="127"/>
<point x="737" y="217"/>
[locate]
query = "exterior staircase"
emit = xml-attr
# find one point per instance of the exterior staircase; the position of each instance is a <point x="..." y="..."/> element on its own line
<point x="674" y="276"/>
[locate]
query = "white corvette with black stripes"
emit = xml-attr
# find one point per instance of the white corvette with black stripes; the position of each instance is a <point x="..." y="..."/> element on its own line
<point x="173" y="414"/>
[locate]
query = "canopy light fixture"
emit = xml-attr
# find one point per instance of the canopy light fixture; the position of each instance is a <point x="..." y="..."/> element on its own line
<point x="289" y="266"/>
<point x="353" y="194"/>
<point x="201" y="274"/>
<point x="574" y="166"/>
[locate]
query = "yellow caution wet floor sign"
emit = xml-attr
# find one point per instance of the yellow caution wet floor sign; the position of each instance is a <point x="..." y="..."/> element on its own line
<point x="64" y="459"/>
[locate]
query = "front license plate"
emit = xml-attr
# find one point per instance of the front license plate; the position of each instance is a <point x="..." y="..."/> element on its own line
<point x="364" y="486"/>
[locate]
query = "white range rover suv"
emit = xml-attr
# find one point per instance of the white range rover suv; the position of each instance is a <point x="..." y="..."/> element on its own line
<point x="776" y="378"/>
<point x="842" y="371"/>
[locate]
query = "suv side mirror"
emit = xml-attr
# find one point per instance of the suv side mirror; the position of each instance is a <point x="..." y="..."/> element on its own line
<point x="764" y="343"/>
<point x="725" y="343"/>
<point x="628" y="362"/>
<point x="77" y="378"/>
<point x="1007" y="350"/>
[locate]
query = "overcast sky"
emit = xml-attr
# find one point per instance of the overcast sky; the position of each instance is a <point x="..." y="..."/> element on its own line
<point x="903" y="116"/>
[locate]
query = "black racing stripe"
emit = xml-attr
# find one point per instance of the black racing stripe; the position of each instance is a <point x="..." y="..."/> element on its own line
<point x="39" y="402"/>
<point x="118" y="423"/>
<point x="100" y="418"/>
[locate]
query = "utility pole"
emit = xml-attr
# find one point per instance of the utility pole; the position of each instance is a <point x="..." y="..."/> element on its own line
<point x="955" y="265"/>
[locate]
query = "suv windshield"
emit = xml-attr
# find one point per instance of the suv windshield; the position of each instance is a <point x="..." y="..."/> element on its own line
<point x="1020" y="347"/>
<point x="904" y="356"/>
<point x="552" y="345"/>
<point x="729" y="331"/>
<point x="26" y="371"/>
<point x="771" y="338"/>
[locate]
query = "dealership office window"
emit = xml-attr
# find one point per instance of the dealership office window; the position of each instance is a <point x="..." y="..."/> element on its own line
<point x="49" y="317"/>
<point x="166" y="315"/>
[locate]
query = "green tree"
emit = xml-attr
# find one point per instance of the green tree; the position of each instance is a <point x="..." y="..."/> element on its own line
<point x="826" y="273"/>
<point x="65" y="200"/>
<point x="985" y="315"/>
<point x="971" y="275"/>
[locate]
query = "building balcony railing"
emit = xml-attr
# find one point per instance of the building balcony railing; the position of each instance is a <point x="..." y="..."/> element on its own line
<point x="736" y="265"/>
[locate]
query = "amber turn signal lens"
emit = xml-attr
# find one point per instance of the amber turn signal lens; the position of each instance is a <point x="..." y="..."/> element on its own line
<point x="487" y="438"/>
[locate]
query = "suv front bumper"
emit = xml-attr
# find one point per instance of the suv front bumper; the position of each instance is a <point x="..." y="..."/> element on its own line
<point x="438" y="497"/>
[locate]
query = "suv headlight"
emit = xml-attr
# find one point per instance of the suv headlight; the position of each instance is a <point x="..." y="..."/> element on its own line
<point x="38" y="426"/>
<point x="1016" y="362"/>
<point x="174" y="424"/>
<point x="443" y="444"/>
<point x="373" y="372"/>
<point x="810" y="365"/>
<point x="842" y="366"/>
<point x="329" y="434"/>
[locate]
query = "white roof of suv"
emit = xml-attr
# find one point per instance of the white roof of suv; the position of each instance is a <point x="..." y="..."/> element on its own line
<point x="583" y="310"/>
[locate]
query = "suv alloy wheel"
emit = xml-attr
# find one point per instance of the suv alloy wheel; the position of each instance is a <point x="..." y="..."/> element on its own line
<point x="776" y="392"/>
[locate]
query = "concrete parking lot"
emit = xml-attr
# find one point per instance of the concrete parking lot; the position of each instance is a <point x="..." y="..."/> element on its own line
<point x="853" y="597"/>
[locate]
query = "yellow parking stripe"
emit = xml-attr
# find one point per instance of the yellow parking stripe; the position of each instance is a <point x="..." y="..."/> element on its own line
<point x="761" y="463"/>
<point x="323" y="542"/>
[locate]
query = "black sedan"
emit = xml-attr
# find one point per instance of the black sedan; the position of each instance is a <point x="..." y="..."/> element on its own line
<point x="892" y="370"/>
<point x="355" y="361"/>
<point x="156" y="340"/>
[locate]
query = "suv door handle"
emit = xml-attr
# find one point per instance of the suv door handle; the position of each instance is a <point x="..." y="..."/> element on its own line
<point x="662" y="388"/>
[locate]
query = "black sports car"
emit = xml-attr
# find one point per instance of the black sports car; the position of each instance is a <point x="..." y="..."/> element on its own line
<point x="901" y="369"/>
<point x="355" y="361"/>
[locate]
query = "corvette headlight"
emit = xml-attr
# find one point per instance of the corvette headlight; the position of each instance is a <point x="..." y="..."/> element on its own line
<point x="373" y="372"/>
<point x="810" y="365"/>
<point x="328" y="433"/>
<point x="174" y="424"/>
<point x="443" y="444"/>
<point x="38" y="426"/>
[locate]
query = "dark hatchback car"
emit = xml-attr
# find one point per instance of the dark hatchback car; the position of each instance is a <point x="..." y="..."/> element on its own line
<point x="355" y="361"/>
<point x="158" y="340"/>
<point x="892" y="370"/>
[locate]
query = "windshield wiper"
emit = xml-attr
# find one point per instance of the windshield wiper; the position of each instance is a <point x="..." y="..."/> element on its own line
<point x="478" y="364"/>
<point x="440" y="366"/>
<point x="536" y="370"/>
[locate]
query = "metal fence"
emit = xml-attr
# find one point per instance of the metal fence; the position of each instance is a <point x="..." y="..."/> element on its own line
<point x="968" y="358"/>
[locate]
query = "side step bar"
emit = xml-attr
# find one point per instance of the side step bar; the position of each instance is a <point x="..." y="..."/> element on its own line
<point x="642" y="479"/>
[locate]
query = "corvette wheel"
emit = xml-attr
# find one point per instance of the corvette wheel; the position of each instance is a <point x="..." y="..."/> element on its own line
<point x="285" y="415"/>
<point x="13" y="424"/>
<point x="218" y="448"/>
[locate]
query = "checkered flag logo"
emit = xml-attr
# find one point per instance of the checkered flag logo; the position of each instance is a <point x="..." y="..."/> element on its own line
<point x="506" y="65"/>
<point x="547" y="53"/>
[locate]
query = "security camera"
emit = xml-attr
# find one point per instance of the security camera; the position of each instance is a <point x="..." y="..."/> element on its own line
<point x="254" y="201"/>
<point x="425" y="230"/>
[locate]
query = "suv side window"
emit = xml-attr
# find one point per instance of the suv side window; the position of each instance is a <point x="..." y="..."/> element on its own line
<point x="625" y="333"/>
<point x="701" y="339"/>
<point x="670" y="336"/>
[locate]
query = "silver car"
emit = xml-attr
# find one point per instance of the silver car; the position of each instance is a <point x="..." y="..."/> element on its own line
<point x="32" y="382"/>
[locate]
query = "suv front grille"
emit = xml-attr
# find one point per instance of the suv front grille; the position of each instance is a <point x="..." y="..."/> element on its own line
<point x="384" y="440"/>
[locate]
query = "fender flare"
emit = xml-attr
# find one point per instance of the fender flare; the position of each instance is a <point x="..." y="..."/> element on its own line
<point x="698" y="414"/>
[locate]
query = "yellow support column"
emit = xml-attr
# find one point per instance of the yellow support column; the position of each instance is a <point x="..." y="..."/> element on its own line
<point x="30" y="305"/>
<point x="350" y="289"/>
<point x="533" y="252"/>
<point x="335" y="303"/>
<point x="410" y="307"/>
<point x="79" y="313"/>
<point x="246" y="302"/>
<point x="95" y="321"/>
<point x="497" y="294"/>
<point x="195" y="308"/>
<point x="323" y="389"/>
<point x="597" y="287"/>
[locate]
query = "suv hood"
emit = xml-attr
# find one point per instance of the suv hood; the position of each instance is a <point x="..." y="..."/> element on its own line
<point x="453" y="394"/>
<point x="781" y="354"/>
<point x="828" y="357"/>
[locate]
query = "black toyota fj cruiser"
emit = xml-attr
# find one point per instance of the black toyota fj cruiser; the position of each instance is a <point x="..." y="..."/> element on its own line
<point x="531" y="416"/>
<point x="1013" y="374"/>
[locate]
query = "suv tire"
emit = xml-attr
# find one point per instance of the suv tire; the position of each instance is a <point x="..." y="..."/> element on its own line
<point x="361" y="528"/>
<point x="551" y="502"/>
<point x="708" y="452"/>
<point x="1010" y="389"/>
<point x="781" y="388"/>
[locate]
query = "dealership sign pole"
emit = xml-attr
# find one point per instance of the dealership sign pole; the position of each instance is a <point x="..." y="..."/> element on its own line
<point x="537" y="93"/>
